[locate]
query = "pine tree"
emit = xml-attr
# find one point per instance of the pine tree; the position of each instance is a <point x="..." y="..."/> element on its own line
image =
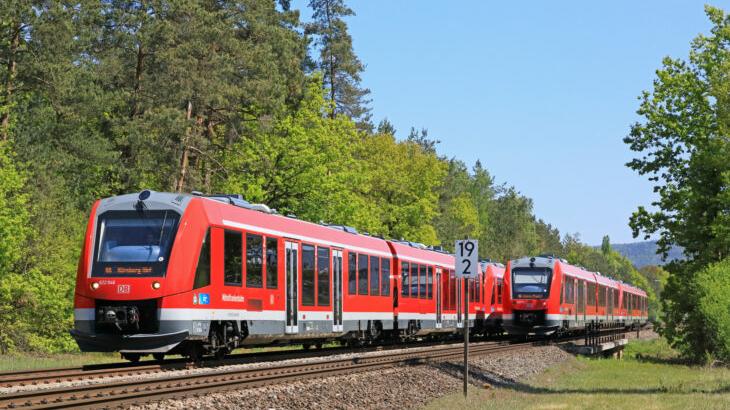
<point x="606" y="245"/>
<point x="340" y="66"/>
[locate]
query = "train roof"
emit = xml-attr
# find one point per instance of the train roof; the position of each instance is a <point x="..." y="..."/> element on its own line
<point x="633" y="289"/>
<point x="409" y="253"/>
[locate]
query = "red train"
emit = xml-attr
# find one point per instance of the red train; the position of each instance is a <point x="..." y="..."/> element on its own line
<point x="169" y="273"/>
<point x="545" y="295"/>
<point x="164" y="273"/>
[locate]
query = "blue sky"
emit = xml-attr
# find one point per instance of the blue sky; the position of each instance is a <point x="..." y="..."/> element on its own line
<point x="541" y="92"/>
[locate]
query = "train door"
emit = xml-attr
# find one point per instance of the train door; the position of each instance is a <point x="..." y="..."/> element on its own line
<point x="439" y="302"/>
<point x="459" y="301"/>
<point x="574" y="300"/>
<point x="609" y="312"/>
<point x="581" y="301"/>
<point x="292" y="299"/>
<point x="337" y="291"/>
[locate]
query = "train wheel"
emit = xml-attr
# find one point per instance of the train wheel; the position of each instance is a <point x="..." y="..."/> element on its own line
<point x="318" y="346"/>
<point x="132" y="357"/>
<point x="195" y="353"/>
<point x="306" y="346"/>
<point x="158" y="356"/>
<point x="221" y="353"/>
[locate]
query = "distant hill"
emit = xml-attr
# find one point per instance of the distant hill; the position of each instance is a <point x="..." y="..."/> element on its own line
<point x="644" y="253"/>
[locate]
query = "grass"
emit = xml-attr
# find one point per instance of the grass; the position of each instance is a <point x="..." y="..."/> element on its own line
<point x="649" y="377"/>
<point x="26" y="361"/>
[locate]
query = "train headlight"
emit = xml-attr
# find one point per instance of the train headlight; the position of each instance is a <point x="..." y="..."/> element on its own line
<point x="156" y="285"/>
<point x="94" y="285"/>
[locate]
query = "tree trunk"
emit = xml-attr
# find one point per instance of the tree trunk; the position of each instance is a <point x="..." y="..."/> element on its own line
<point x="331" y="57"/>
<point x="186" y="151"/>
<point x="12" y="68"/>
<point x="137" y="81"/>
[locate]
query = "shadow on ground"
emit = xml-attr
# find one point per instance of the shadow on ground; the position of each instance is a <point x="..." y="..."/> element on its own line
<point x="479" y="376"/>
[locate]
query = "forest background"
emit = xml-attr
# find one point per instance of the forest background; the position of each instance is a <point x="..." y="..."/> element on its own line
<point x="99" y="98"/>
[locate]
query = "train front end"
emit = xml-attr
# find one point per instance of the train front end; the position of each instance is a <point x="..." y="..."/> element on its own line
<point x="125" y="273"/>
<point x="530" y="296"/>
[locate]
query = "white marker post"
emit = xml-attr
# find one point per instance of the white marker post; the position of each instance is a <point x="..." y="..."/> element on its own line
<point x="467" y="268"/>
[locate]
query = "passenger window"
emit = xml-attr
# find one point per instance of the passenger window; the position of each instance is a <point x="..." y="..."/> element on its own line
<point x="494" y="293"/>
<point x="414" y="280"/>
<point x="385" y="277"/>
<point x="254" y="261"/>
<point x="499" y="293"/>
<point x="272" y="263"/>
<point x="307" y="275"/>
<point x="202" y="271"/>
<point x="351" y="273"/>
<point x="422" y="282"/>
<point x="362" y="274"/>
<point x="429" y="283"/>
<point x="233" y="256"/>
<point x="323" y="277"/>
<point x="406" y="286"/>
<point x="374" y="276"/>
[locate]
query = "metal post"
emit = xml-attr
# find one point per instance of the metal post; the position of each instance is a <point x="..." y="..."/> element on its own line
<point x="466" y="335"/>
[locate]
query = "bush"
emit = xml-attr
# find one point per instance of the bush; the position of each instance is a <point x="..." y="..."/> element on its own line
<point x="712" y="290"/>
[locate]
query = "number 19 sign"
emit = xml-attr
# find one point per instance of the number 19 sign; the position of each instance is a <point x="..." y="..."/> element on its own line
<point x="467" y="258"/>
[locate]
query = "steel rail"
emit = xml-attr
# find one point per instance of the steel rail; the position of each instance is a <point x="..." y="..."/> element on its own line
<point x="141" y="391"/>
<point x="37" y="377"/>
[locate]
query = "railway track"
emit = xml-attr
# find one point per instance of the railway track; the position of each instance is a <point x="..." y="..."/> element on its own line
<point x="124" y="393"/>
<point x="121" y="369"/>
<point x="121" y="393"/>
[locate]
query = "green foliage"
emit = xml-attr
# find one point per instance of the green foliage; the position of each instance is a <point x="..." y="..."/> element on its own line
<point x="102" y="98"/>
<point x="302" y="164"/>
<point x="13" y="210"/>
<point x="401" y="187"/>
<point x="707" y="334"/>
<point x="683" y="148"/>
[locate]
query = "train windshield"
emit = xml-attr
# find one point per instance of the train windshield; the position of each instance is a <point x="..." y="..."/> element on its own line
<point x="531" y="283"/>
<point x="131" y="243"/>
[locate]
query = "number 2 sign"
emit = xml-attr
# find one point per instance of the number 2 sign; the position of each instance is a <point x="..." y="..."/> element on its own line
<point x="467" y="258"/>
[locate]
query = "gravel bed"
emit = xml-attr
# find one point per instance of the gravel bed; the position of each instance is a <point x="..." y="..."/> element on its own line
<point x="645" y="334"/>
<point x="498" y="368"/>
<point x="200" y="370"/>
<point x="400" y="387"/>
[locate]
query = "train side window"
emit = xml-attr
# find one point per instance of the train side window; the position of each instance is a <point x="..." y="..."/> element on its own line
<point x="494" y="293"/>
<point x="307" y="275"/>
<point x="414" y="280"/>
<point x="272" y="263"/>
<point x="233" y="257"/>
<point x="323" y="277"/>
<point x="406" y="285"/>
<point x="385" y="277"/>
<point x="422" y="282"/>
<point x="202" y="271"/>
<point x="562" y="292"/>
<point x="571" y="291"/>
<point x="429" y="282"/>
<point x="601" y="296"/>
<point x="374" y="276"/>
<point x="500" y="287"/>
<point x="254" y="261"/>
<point x="362" y="274"/>
<point x="352" y="273"/>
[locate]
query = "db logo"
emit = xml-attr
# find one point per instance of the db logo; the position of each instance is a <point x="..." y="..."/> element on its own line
<point x="124" y="289"/>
